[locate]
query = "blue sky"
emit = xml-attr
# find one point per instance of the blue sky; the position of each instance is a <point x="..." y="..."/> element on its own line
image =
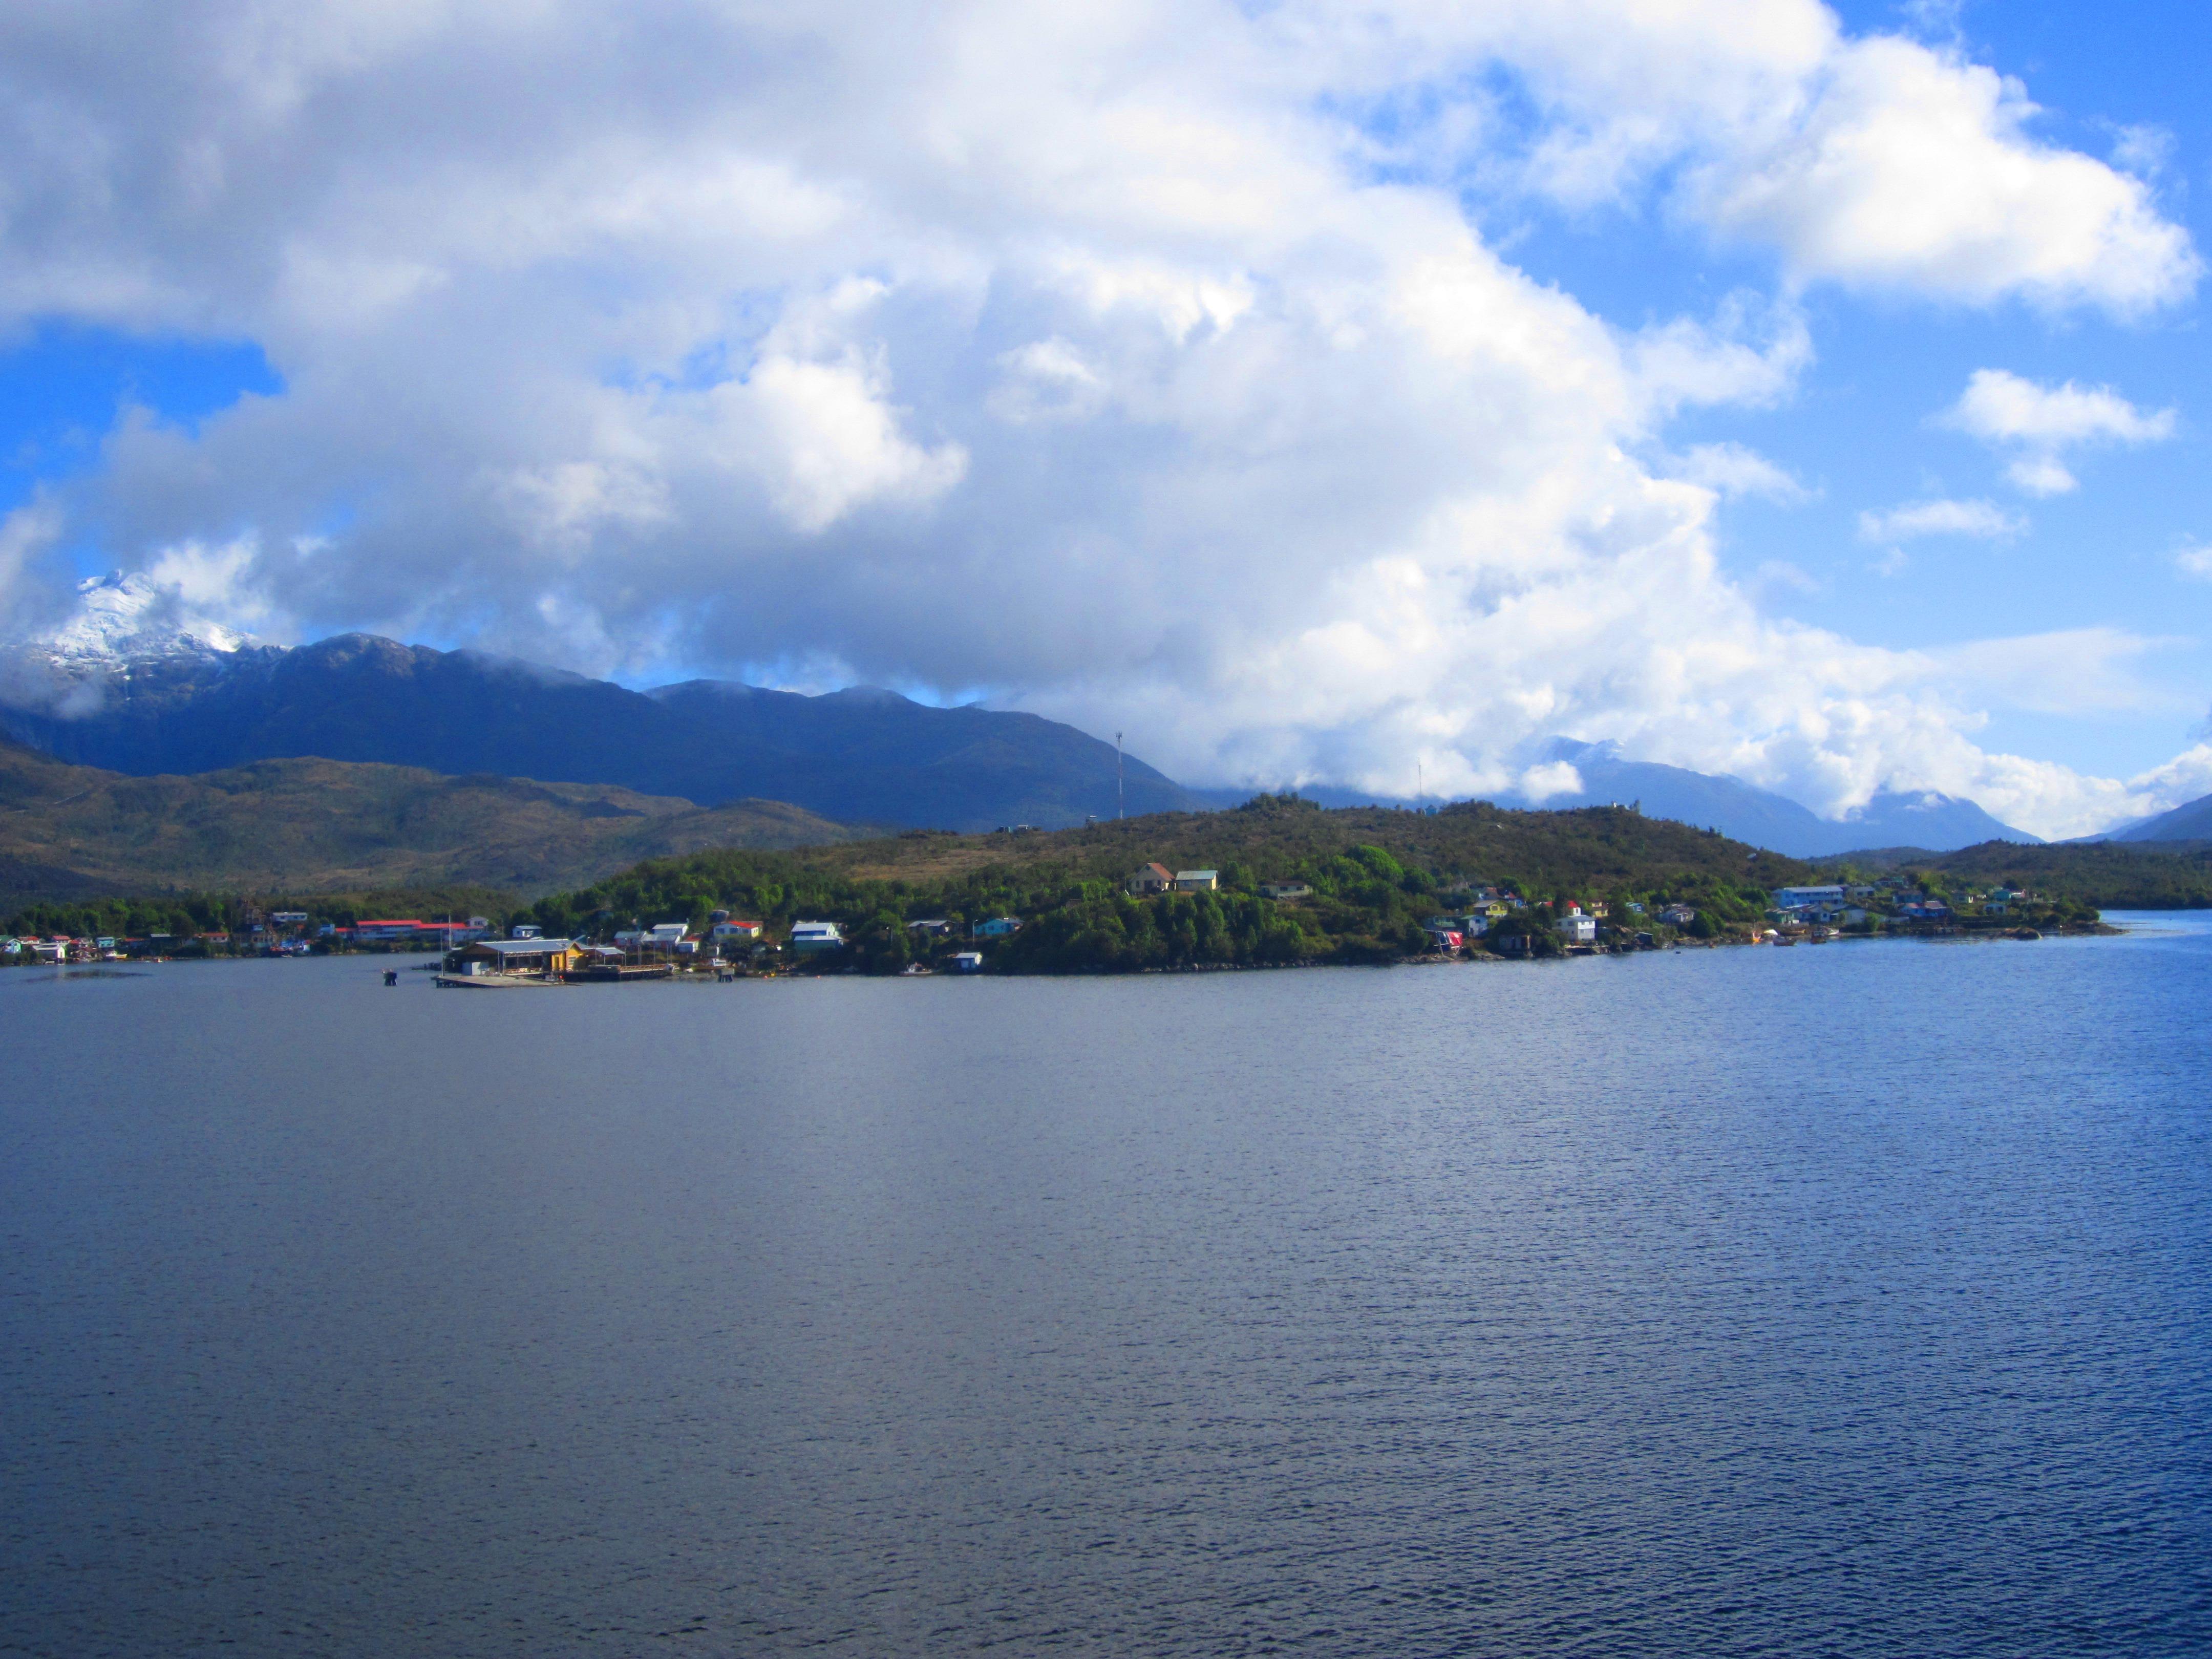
<point x="1861" y="433"/>
<point x="1134" y="364"/>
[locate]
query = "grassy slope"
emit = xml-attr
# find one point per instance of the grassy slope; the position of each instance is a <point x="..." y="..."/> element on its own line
<point x="68" y="832"/>
<point x="2110" y="875"/>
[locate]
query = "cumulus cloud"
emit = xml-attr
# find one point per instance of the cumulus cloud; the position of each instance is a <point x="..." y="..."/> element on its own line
<point x="1910" y="168"/>
<point x="2195" y="562"/>
<point x="1117" y="358"/>
<point x="1984" y="520"/>
<point x="2037" y="423"/>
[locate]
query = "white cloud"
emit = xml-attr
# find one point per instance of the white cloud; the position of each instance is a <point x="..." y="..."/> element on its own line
<point x="1875" y="161"/>
<point x="1985" y="520"/>
<point x="1733" y="470"/>
<point x="1080" y="353"/>
<point x="2195" y="562"/>
<point x="1904" y="166"/>
<point x="2071" y="672"/>
<point x="2039" y="421"/>
<point x="1542" y="783"/>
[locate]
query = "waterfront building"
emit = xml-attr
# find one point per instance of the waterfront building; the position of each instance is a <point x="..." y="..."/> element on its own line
<point x="535" y="958"/>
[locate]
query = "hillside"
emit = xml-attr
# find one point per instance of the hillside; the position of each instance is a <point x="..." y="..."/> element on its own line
<point x="2190" y="820"/>
<point x="2105" y="875"/>
<point x="72" y="832"/>
<point x="1376" y="871"/>
<point x="857" y="756"/>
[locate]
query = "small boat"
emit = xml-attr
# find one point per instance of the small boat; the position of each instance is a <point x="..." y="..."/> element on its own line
<point x="491" y="982"/>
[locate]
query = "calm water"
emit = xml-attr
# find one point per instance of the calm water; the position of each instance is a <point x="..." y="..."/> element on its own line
<point x="1847" y="1301"/>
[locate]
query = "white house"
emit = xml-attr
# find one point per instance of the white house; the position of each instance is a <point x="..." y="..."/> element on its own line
<point x="1153" y="879"/>
<point x="732" y="931"/>
<point x="665" y="935"/>
<point x="1578" y="929"/>
<point x="808" y="938"/>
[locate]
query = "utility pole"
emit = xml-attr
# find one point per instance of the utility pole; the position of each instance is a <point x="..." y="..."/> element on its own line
<point x="1121" y="800"/>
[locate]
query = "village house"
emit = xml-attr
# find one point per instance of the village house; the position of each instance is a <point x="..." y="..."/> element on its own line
<point x="1151" y="880"/>
<point x="933" y="928"/>
<point x="1678" y="915"/>
<point x="727" y="930"/>
<point x="968" y="961"/>
<point x="1284" y="890"/>
<point x="1576" y="928"/>
<point x="1196" y="881"/>
<point x="813" y="938"/>
<point x="996" y="927"/>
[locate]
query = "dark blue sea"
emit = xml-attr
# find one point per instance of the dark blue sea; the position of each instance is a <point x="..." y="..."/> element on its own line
<point x="1846" y="1300"/>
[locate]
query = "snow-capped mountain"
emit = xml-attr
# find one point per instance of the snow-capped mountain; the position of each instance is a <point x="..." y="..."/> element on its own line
<point x="123" y="619"/>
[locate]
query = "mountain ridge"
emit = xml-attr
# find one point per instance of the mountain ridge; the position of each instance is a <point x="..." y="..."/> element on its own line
<point x="139" y="694"/>
<point x="877" y="758"/>
<point x="2190" y="820"/>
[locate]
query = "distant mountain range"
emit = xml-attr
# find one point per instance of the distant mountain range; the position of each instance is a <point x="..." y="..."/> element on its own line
<point x="132" y="685"/>
<point x="859" y="755"/>
<point x="2190" y="820"/>
<point x="1745" y="813"/>
<point x="1738" y="810"/>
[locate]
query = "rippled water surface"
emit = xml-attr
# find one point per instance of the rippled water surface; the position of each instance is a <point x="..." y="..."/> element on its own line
<point x="1850" y="1300"/>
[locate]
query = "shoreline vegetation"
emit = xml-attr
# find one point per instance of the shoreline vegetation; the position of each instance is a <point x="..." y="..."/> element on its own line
<point x="1378" y="884"/>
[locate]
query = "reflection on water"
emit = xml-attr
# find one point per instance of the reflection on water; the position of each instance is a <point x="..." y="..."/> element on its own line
<point x="1849" y="1300"/>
